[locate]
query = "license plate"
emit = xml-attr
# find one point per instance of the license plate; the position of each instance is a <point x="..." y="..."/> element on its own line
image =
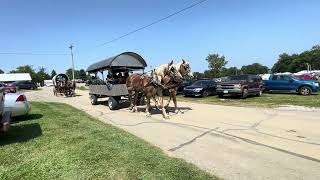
<point x="225" y="91"/>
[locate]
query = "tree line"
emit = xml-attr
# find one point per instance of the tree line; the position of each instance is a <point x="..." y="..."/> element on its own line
<point x="216" y="67"/>
<point x="285" y="63"/>
<point x="41" y="74"/>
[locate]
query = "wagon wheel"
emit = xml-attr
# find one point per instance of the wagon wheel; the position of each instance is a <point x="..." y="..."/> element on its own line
<point x="66" y="92"/>
<point x="55" y="92"/>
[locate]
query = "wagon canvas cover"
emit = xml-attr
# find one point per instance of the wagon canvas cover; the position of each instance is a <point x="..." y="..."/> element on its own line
<point x="128" y="60"/>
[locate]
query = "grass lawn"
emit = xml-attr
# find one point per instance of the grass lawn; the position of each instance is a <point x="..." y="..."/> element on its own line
<point x="58" y="141"/>
<point x="266" y="100"/>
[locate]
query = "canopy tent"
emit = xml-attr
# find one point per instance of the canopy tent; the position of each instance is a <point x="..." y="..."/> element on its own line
<point x="15" y="77"/>
<point x="126" y="60"/>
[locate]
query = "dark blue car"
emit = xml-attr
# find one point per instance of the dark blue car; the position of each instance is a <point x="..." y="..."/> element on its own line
<point x="289" y="83"/>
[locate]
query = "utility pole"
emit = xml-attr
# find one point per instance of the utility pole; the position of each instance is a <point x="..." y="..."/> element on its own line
<point x="71" y="46"/>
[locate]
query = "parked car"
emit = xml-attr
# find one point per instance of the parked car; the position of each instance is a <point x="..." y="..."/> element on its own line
<point x="5" y="117"/>
<point x="17" y="104"/>
<point x="241" y="85"/>
<point x="202" y="88"/>
<point x="180" y="89"/>
<point x="305" y="77"/>
<point x="184" y="84"/>
<point x="79" y="81"/>
<point x="88" y="82"/>
<point x="288" y="83"/>
<point x="24" y="85"/>
<point x="8" y="89"/>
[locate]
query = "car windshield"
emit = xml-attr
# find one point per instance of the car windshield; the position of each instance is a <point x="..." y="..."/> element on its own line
<point x="201" y="83"/>
<point x="238" y="78"/>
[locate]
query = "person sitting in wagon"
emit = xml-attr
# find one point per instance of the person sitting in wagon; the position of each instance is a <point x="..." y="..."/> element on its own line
<point x="125" y="77"/>
<point x="115" y="78"/>
<point x="120" y="78"/>
<point x="109" y="79"/>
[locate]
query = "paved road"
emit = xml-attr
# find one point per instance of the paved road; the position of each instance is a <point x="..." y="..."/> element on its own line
<point x="231" y="142"/>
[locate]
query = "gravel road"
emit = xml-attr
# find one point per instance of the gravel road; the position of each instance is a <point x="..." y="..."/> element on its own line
<point x="230" y="142"/>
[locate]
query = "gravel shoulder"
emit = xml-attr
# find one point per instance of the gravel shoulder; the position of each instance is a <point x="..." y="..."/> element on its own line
<point x="230" y="142"/>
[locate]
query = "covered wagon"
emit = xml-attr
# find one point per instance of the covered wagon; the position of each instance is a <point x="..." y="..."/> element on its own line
<point x="109" y="77"/>
<point x="62" y="85"/>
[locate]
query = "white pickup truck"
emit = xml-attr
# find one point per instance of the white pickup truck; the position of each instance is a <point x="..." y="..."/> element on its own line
<point x="5" y="117"/>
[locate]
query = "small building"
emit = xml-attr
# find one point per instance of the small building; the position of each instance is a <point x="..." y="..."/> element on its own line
<point x="11" y="77"/>
<point x="48" y="82"/>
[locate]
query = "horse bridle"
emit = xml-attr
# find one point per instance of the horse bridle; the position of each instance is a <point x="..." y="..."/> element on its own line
<point x="186" y="67"/>
<point x="174" y="74"/>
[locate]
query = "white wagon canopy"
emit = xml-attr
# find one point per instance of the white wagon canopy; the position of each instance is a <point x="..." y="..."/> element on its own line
<point x="126" y="60"/>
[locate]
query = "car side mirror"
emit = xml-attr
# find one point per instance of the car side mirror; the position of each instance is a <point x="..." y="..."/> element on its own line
<point x="291" y="80"/>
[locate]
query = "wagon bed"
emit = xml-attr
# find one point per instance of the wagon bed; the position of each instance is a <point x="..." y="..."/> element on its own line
<point x="113" y="90"/>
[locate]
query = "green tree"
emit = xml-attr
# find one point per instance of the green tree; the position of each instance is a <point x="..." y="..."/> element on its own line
<point x="216" y="64"/>
<point x="283" y="63"/>
<point x="230" y="71"/>
<point x="208" y="74"/>
<point x="53" y="73"/>
<point x="198" y="75"/>
<point x="254" y="68"/>
<point x="1" y="71"/>
<point x="42" y="75"/>
<point x="83" y="75"/>
<point x="69" y="73"/>
<point x="298" y="62"/>
<point x="26" y="69"/>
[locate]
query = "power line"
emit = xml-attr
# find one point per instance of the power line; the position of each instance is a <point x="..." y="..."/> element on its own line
<point x="113" y="40"/>
<point x="153" y="23"/>
<point x="37" y="54"/>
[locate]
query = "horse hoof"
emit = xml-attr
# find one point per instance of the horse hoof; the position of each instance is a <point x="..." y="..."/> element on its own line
<point x="166" y="117"/>
<point x="148" y="115"/>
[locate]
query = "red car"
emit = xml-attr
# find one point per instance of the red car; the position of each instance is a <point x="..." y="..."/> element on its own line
<point x="8" y="89"/>
<point x="306" y="77"/>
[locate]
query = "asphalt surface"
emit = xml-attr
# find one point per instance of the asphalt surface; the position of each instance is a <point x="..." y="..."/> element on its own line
<point x="230" y="142"/>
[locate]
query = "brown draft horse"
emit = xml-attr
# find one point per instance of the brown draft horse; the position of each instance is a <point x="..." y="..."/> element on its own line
<point x="137" y="83"/>
<point x="185" y="70"/>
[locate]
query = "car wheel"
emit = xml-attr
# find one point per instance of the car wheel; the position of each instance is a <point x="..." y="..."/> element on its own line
<point x="259" y="93"/>
<point x="205" y="94"/>
<point x="94" y="100"/>
<point x="305" y="90"/>
<point x="220" y="95"/>
<point x="112" y="103"/>
<point x="244" y="93"/>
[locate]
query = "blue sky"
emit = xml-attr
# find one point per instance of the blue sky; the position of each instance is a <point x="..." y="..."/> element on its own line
<point x="244" y="31"/>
